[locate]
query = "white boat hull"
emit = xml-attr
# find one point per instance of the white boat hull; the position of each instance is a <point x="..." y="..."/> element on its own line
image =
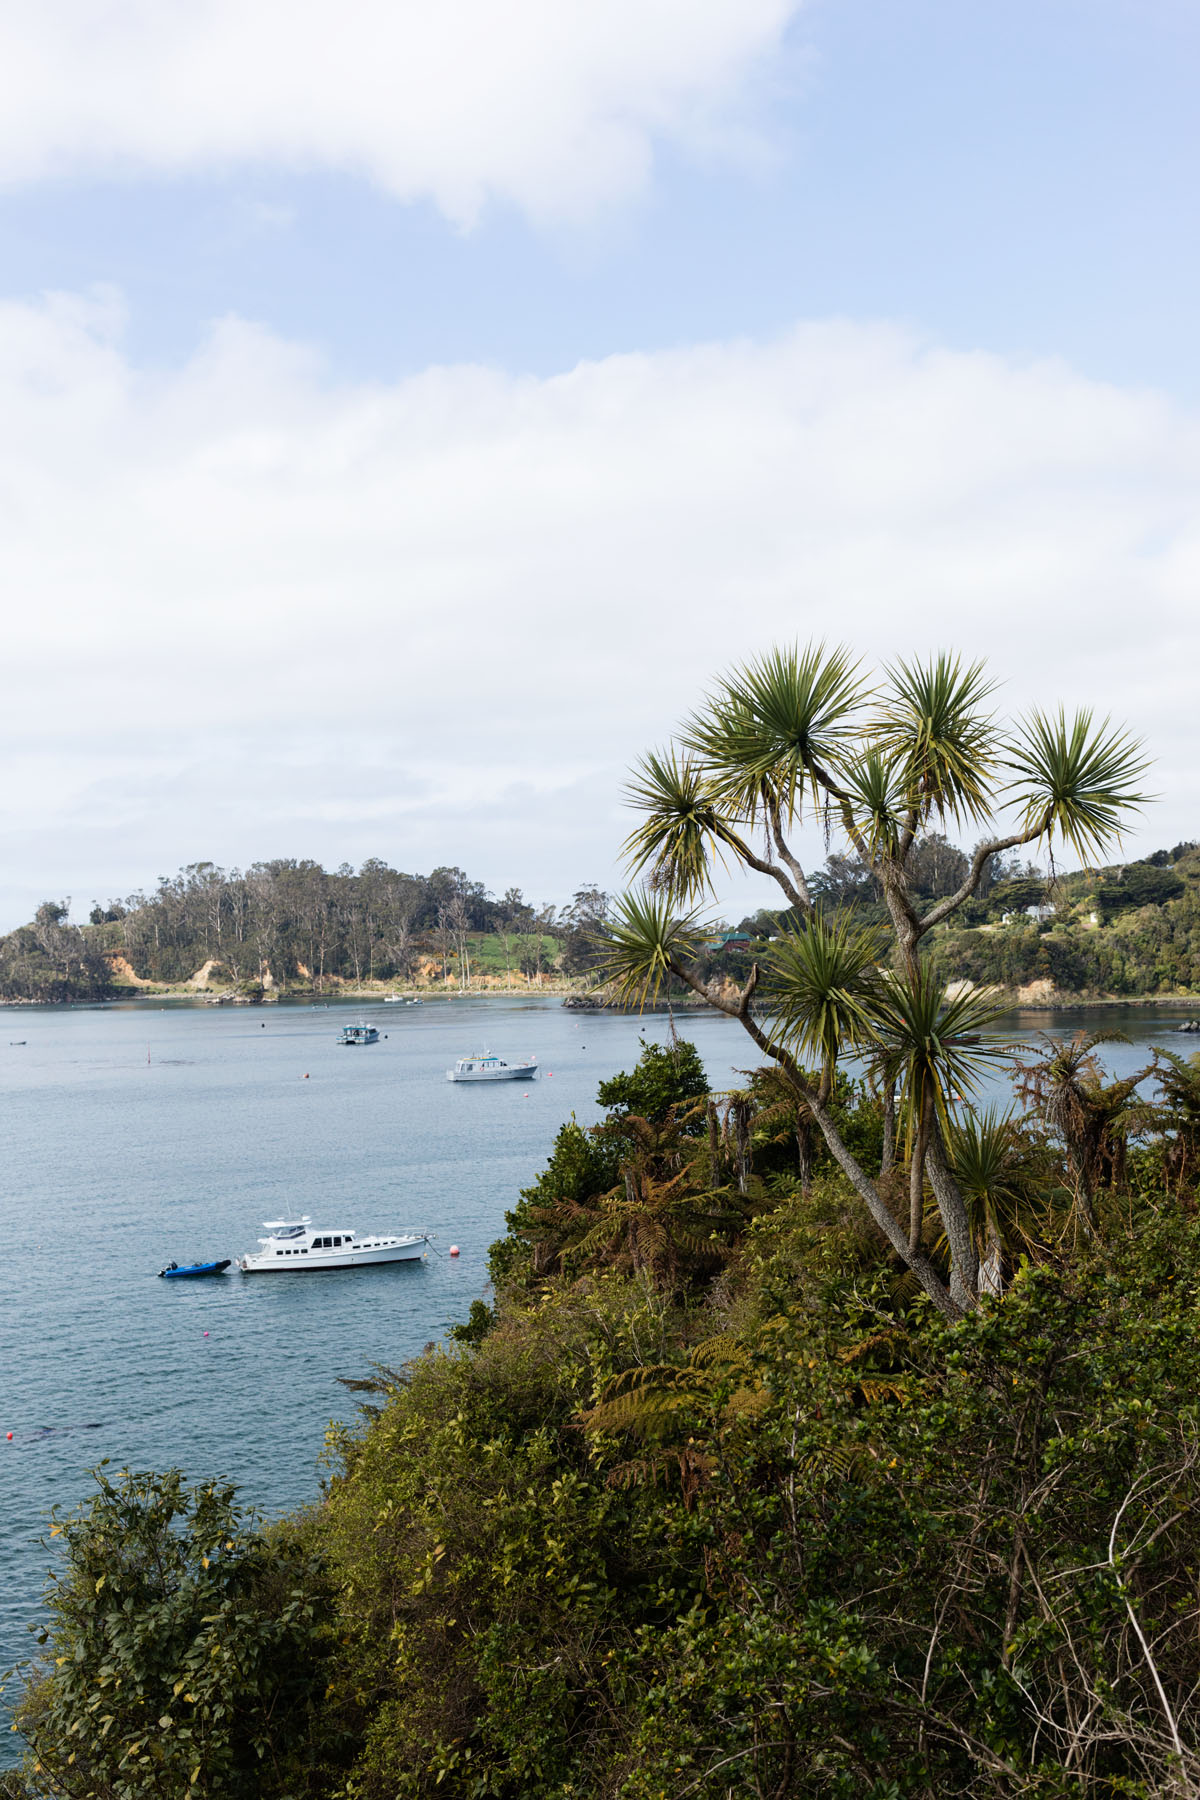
<point x="506" y="1072"/>
<point x="273" y="1262"/>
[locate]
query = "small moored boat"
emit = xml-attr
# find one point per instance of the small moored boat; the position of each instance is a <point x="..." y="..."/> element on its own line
<point x="358" y="1034"/>
<point x="483" y="1066"/>
<point x="189" y="1271"/>
<point x="297" y="1246"/>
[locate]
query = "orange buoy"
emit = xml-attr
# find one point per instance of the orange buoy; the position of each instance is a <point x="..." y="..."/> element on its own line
<point x="454" y="1249"/>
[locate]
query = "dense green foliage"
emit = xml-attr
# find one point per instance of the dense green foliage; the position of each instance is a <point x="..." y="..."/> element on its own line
<point x="309" y="927"/>
<point x="717" y="1504"/>
<point x="187" y="1658"/>
<point x="51" y="959"/>
<point x="290" y="922"/>
<point x="1128" y="931"/>
<point x="666" y="1076"/>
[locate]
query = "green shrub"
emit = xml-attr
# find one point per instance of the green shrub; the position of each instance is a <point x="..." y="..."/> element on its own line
<point x="184" y="1653"/>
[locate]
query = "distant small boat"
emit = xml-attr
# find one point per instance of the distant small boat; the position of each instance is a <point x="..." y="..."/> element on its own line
<point x="189" y="1271"/>
<point x="483" y="1066"/>
<point x="358" y="1034"/>
<point x="399" y="1000"/>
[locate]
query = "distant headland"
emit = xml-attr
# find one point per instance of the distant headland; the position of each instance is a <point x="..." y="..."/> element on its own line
<point x="288" y="928"/>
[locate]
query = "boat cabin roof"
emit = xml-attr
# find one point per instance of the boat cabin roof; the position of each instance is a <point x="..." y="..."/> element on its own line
<point x="293" y="1228"/>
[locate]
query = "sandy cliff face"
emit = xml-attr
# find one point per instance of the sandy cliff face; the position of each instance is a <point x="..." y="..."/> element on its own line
<point x="122" y="970"/>
<point x="1037" y="993"/>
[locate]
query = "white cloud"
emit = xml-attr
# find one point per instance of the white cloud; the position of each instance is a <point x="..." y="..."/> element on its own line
<point x="248" y="611"/>
<point x="552" y="105"/>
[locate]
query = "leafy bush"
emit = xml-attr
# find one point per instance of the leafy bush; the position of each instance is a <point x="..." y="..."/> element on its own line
<point x="664" y="1076"/>
<point x="185" y="1651"/>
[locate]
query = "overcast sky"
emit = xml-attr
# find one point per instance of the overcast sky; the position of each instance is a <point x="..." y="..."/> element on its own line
<point x="406" y="410"/>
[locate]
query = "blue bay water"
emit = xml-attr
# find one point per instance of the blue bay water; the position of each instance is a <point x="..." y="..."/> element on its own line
<point x="136" y="1133"/>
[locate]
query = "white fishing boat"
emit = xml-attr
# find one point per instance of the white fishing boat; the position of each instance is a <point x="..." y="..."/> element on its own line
<point x="297" y="1247"/>
<point x="483" y="1066"/>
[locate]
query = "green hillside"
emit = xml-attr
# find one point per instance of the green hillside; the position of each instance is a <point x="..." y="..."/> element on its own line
<point x="1125" y="931"/>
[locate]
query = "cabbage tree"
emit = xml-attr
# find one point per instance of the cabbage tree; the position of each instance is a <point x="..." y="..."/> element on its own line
<point x="804" y="736"/>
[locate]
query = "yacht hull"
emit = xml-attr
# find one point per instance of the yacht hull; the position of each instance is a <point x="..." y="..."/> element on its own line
<point x="518" y="1073"/>
<point x="317" y="1260"/>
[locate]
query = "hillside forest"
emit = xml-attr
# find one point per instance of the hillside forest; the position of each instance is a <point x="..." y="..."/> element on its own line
<point x="294" y="926"/>
<point x="1121" y="931"/>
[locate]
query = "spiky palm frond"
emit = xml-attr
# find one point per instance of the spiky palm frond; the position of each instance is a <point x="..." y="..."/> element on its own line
<point x="821" y="983"/>
<point x="1003" y="1187"/>
<point x="875" y="801"/>
<point x="932" y="1042"/>
<point x="684" y="828"/>
<point x="1076" y="779"/>
<point x="940" y="746"/>
<point x="773" y="724"/>
<point x="644" y="938"/>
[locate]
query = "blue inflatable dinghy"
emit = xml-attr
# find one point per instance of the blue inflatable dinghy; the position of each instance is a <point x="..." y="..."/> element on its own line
<point x="174" y="1272"/>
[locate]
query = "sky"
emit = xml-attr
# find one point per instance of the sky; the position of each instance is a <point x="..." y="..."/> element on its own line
<point x="407" y="412"/>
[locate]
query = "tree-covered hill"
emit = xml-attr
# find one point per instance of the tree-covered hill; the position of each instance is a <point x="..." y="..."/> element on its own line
<point x="1128" y="930"/>
<point x="295" y="924"/>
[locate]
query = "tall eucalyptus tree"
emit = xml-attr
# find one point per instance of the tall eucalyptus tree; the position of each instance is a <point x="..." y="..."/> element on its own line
<point x="803" y="735"/>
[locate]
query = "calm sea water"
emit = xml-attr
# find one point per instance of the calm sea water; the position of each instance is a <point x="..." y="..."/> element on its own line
<point x="136" y="1134"/>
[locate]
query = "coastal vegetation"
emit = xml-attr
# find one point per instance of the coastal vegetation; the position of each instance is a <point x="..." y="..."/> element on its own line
<point x="707" y="1499"/>
<point x="1118" y="932"/>
<point x="833" y="1435"/>
<point x="294" y="926"/>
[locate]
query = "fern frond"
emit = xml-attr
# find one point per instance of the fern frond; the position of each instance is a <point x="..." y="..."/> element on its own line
<point x="875" y="1388"/>
<point x="878" y="1340"/>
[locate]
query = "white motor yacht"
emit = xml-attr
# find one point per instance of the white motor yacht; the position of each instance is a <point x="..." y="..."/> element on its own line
<point x="483" y="1066"/>
<point x="297" y="1246"/>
